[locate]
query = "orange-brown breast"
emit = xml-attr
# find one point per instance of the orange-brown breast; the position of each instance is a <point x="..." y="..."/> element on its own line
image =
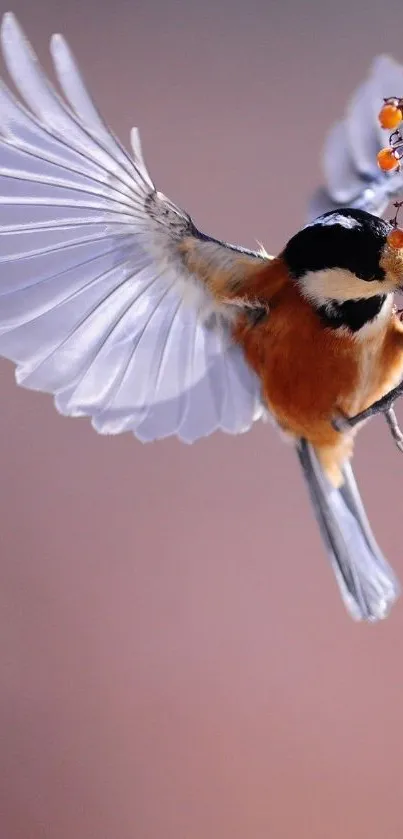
<point x="310" y="372"/>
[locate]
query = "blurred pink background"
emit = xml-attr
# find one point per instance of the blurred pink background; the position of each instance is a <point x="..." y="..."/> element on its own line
<point x="175" y="660"/>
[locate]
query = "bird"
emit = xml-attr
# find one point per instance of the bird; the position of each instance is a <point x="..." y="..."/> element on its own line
<point x="116" y="304"/>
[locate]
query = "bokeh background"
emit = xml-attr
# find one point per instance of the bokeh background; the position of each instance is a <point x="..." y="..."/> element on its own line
<point x="175" y="659"/>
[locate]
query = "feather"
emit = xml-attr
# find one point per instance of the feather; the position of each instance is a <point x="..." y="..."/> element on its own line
<point x="352" y="177"/>
<point x="97" y="306"/>
<point x="367" y="583"/>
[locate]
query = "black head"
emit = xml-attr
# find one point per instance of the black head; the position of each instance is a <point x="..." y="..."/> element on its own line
<point x="340" y="262"/>
<point x="348" y="239"/>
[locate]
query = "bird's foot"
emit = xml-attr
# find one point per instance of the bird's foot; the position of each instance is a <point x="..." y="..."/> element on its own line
<point x="382" y="406"/>
<point x="395" y="431"/>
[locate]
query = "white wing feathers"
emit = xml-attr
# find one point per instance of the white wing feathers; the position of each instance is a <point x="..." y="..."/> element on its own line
<point x="352" y="176"/>
<point x="96" y="304"/>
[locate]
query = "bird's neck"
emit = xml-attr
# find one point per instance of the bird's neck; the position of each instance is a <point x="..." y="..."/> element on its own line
<point x="356" y="314"/>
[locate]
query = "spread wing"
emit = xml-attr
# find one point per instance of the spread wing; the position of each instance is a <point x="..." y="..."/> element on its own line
<point x="97" y="306"/>
<point x="352" y="177"/>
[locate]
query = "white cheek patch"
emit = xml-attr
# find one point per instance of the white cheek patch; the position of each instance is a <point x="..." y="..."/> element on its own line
<point x="341" y="285"/>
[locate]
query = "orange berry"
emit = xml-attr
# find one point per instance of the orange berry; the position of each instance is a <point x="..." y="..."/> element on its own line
<point x="390" y="116"/>
<point x="395" y="238"/>
<point x="387" y="160"/>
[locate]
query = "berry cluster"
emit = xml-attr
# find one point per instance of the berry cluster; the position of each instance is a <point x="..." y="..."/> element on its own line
<point x="391" y="116"/>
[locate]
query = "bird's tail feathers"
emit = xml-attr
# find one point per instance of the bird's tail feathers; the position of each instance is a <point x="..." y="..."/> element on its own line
<point x="367" y="583"/>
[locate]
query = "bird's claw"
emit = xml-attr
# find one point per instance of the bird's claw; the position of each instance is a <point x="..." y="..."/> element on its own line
<point x="341" y="423"/>
<point x="393" y="424"/>
<point x="384" y="406"/>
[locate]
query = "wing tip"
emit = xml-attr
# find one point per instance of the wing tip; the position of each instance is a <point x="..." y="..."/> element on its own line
<point x="381" y="61"/>
<point x="57" y="41"/>
<point x="10" y="27"/>
<point x="8" y="18"/>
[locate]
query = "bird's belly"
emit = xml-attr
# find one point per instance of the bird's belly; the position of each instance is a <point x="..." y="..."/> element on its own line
<point x="305" y="393"/>
<point x="310" y="374"/>
<point x="307" y="383"/>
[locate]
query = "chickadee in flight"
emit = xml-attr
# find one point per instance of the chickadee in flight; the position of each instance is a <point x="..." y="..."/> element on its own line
<point x="114" y="302"/>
